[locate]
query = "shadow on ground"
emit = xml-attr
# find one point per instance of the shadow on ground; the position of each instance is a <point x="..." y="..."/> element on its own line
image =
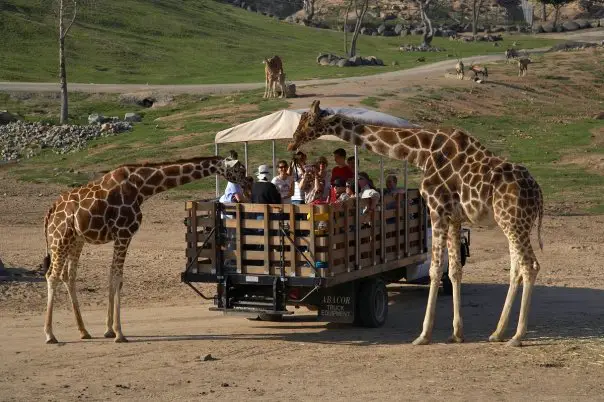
<point x="557" y="313"/>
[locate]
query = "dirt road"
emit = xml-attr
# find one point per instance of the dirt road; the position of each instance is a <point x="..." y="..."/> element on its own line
<point x="169" y="329"/>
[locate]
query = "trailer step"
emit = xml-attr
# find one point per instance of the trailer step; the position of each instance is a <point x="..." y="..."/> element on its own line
<point x="248" y="311"/>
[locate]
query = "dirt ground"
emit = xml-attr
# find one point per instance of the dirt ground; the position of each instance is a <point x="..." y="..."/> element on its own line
<point x="170" y="327"/>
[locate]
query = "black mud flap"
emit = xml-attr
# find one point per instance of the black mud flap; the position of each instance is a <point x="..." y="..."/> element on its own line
<point x="338" y="303"/>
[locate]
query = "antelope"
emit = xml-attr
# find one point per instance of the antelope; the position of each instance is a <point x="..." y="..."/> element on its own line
<point x="477" y="69"/>
<point x="523" y="66"/>
<point x="459" y="69"/>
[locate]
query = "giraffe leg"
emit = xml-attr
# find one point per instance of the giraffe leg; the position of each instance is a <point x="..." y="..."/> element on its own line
<point x="265" y="86"/>
<point x="455" y="274"/>
<point x="119" y="255"/>
<point x="109" y="322"/>
<point x="439" y="237"/>
<point x="52" y="279"/>
<point x="497" y="336"/>
<point x="529" y="269"/>
<point x="70" y="284"/>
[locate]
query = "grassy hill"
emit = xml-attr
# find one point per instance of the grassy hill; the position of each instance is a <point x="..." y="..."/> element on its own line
<point x="187" y="42"/>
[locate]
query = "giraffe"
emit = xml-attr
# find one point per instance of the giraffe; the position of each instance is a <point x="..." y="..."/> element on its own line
<point x="462" y="182"/>
<point x="274" y="74"/>
<point x="109" y="209"/>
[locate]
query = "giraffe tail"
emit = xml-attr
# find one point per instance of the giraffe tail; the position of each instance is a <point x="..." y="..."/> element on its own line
<point x="46" y="261"/>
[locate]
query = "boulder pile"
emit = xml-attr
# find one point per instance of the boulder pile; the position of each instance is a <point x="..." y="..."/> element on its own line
<point x="329" y="59"/>
<point x="21" y="139"/>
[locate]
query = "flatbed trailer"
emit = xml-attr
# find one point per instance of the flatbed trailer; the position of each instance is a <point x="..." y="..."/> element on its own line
<point x="265" y="257"/>
<point x="330" y="258"/>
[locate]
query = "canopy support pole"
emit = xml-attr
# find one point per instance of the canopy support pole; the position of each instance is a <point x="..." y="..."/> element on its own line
<point x="382" y="220"/>
<point x="245" y="157"/>
<point x="406" y="211"/>
<point x="357" y="226"/>
<point x="217" y="177"/>
<point x="274" y="160"/>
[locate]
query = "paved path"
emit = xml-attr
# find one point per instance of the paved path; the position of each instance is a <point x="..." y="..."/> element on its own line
<point x="595" y="35"/>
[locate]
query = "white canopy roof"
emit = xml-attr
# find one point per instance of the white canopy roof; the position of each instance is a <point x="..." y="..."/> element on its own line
<point x="281" y="125"/>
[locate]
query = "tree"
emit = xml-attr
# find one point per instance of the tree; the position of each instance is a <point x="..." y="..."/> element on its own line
<point x="424" y="6"/>
<point x="557" y="4"/>
<point x="476" y="6"/>
<point x="65" y="12"/>
<point x="309" y="8"/>
<point x="360" y="9"/>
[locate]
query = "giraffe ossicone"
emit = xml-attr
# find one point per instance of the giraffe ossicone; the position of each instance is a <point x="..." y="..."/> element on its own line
<point x="109" y="209"/>
<point x="462" y="182"/>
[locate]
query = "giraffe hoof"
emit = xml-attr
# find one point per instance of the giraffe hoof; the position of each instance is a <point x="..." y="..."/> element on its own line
<point x="121" y="339"/>
<point x="51" y="341"/>
<point x="495" y="338"/>
<point x="109" y="334"/>
<point x="85" y="335"/>
<point x="514" y="343"/>
<point x="421" y="340"/>
<point x="455" y="339"/>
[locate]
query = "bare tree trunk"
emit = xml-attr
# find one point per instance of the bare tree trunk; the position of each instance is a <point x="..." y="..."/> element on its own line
<point x="556" y="13"/>
<point x="428" y="31"/>
<point x="476" y="5"/>
<point x="357" y="28"/>
<point x="309" y="8"/>
<point x="62" y="71"/>
<point x="543" y="13"/>
<point x="62" y="68"/>
<point x="346" y="27"/>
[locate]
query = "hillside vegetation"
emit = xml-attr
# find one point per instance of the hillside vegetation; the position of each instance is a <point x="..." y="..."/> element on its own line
<point x="188" y="42"/>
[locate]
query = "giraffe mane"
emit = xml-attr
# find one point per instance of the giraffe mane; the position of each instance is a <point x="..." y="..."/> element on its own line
<point x="164" y="163"/>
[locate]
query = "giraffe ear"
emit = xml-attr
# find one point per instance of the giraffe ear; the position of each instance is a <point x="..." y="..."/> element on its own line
<point x="230" y="162"/>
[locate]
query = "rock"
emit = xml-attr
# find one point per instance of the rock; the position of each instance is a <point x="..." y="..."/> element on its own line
<point x="381" y="29"/>
<point x="549" y="27"/>
<point x="290" y="90"/>
<point x="22" y="139"/>
<point x="6" y="117"/>
<point x="105" y="127"/>
<point x="132" y="117"/>
<point x="208" y="358"/>
<point x="395" y="63"/>
<point x="96" y="118"/>
<point x="398" y="29"/>
<point x="538" y="28"/>
<point x="583" y="24"/>
<point x="570" y="25"/>
<point x="599" y="116"/>
<point x="355" y="61"/>
<point x="343" y="63"/>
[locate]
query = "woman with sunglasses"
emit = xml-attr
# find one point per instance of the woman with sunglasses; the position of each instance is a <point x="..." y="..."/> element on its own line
<point x="284" y="182"/>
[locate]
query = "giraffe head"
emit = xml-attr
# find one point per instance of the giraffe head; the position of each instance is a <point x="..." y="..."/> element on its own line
<point x="233" y="170"/>
<point x="310" y="127"/>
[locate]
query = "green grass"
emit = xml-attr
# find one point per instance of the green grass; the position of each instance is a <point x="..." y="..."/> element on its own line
<point x="189" y="42"/>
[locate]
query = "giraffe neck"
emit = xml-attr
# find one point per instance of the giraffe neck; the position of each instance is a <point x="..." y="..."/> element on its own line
<point x="151" y="179"/>
<point x="396" y="143"/>
<point x="420" y="147"/>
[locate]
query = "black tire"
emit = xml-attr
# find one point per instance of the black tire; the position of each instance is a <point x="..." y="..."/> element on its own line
<point x="463" y="253"/>
<point x="270" y="317"/>
<point x="447" y="285"/>
<point x="372" y="303"/>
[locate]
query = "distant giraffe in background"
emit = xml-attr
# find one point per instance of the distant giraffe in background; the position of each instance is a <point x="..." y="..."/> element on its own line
<point x="274" y="74"/>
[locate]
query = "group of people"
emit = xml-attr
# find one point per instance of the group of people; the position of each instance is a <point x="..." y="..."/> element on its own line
<point x="300" y="182"/>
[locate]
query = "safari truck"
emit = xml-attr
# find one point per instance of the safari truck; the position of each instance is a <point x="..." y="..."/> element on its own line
<point x="333" y="259"/>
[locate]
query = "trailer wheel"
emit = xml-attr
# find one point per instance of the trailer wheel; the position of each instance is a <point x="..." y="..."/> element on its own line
<point x="373" y="303"/>
<point x="447" y="284"/>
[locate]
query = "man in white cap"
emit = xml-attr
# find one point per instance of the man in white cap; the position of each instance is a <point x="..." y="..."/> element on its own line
<point x="263" y="191"/>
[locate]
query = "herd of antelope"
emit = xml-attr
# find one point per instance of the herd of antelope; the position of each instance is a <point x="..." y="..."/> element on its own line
<point x="510" y="55"/>
<point x="275" y="76"/>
